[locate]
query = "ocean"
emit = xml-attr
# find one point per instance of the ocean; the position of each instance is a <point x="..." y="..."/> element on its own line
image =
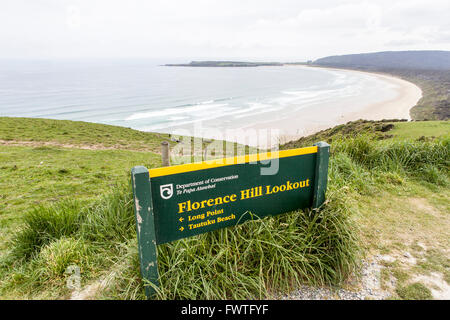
<point x="144" y="95"/>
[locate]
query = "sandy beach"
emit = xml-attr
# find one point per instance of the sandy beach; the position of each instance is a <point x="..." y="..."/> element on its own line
<point x="391" y="98"/>
<point x="323" y="116"/>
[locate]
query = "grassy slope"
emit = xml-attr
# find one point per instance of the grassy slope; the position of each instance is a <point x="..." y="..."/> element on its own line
<point x="41" y="162"/>
<point x="56" y="173"/>
<point x="47" y="162"/>
<point x="77" y="134"/>
<point x="403" y="217"/>
<point x="52" y="160"/>
<point x="421" y="129"/>
<point x="97" y="233"/>
<point x="45" y="175"/>
<point x="378" y="130"/>
<point x="427" y="69"/>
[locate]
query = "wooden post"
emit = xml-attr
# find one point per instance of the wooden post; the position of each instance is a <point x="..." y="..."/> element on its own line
<point x="321" y="175"/>
<point x="145" y="228"/>
<point x="205" y="154"/>
<point x="165" y="154"/>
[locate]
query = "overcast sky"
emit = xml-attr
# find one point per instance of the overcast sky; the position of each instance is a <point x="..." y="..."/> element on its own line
<point x="228" y="29"/>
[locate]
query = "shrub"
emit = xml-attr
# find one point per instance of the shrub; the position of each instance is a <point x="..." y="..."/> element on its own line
<point x="45" y="224"/>
<point x="57" y="256"/>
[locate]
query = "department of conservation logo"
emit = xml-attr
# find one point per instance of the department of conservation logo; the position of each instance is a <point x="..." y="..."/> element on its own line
<point x="166" y="191"/>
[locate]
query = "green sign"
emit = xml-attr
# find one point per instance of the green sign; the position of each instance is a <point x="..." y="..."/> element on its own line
<point x="181" y="201"/>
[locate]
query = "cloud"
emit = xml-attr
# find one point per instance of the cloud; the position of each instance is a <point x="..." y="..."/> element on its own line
<point x="283" y="29"/>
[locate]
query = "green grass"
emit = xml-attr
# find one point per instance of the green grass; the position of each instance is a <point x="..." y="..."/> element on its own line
<point x="415" y="291"/>
<point x="419" y="129"/>
<point x="41" y="163"/>
<point x="262" y="258"/>
<point x="377" y="130"/>
<point x="90" y="224"/>
<point x="253" y="260"/>
<point x="44" y="174"/>
<point x="33" y="176"/>
<point x="435" y="260"/>
<point x="78" y="133"/>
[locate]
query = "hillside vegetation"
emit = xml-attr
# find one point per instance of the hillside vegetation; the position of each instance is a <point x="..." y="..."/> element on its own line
<point x="77" y="134"/>
<point x="63" y="206"/>
<point x="430" y="70"/>
<point x="418" y="60"/>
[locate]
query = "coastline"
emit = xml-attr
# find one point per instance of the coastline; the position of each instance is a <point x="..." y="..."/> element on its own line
<point x="306" y="121"/>
<point x="341" y="95"/>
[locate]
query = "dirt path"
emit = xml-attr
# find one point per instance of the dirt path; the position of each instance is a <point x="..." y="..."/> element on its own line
<point x="368" y="286"/>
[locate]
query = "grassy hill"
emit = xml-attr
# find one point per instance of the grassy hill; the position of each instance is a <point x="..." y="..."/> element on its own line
<point x="45" y="161"/>
<point x="418" y="60"/>
<point x="430" y="70"/>
<point x="77" y="134"/>
<point x="392" y="130"/>
<point x="65" y="200"/>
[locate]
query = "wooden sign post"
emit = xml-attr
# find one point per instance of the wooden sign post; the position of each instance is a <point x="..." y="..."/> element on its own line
<point x="181" y="201"/>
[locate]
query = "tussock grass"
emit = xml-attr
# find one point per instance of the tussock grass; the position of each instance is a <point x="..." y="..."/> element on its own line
<point x="57" y="256"/>
<point x="111" y="219"/>
<point x="45" y="224"/>
<point x="428" y="160"/>
<point x="254" y="260"/>
<point x="258" y="259"/>
<point x="261" y="258"/>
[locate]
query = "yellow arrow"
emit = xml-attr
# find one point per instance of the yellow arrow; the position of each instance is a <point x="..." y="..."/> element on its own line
<point x="181" y="219"/>
<point x="181" y="229"/>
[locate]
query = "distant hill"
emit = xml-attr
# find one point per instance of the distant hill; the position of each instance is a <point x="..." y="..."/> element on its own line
<point x="224" y="64"/>
<point x="418" y="60"/>
<point x="430" y="70"/>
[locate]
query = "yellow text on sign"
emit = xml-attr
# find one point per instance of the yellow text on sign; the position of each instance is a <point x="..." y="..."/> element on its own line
<point x="257" y="191"/>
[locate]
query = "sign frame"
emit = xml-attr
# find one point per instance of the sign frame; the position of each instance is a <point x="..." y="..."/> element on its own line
<point x="143" y="202"/>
